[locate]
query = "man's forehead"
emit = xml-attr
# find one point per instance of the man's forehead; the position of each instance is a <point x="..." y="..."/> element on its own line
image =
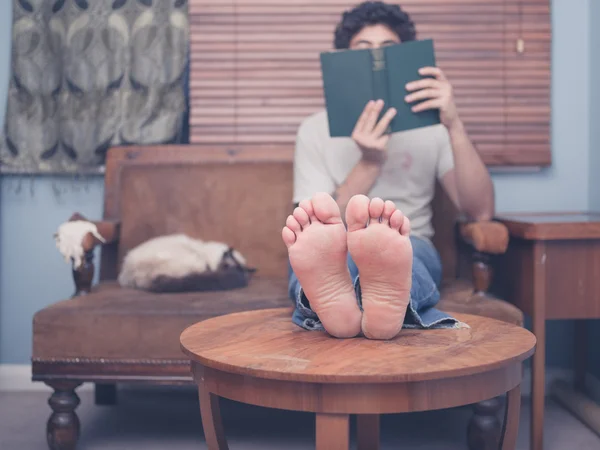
<point x="375" y="34"/>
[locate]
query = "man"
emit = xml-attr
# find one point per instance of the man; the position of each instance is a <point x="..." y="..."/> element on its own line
<point x="372" y="277"/>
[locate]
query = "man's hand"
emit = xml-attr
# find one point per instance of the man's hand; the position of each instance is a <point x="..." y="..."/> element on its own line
<point x="436" y="93"/>
<point x="370" y="135"/>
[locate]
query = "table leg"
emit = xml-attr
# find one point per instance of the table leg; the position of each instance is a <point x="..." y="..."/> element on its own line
<point x="484" y="429"/>
<point x="538" y="385"/>
<point x="367" y="428"/>
<point x="211" y="419"/>
<point x="333" y="431"/>
<point x="510" y="429"/>
<point x="538" y="379"/>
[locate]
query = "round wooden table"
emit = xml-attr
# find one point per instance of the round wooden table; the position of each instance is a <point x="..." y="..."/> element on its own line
<point x="261" y="358"/>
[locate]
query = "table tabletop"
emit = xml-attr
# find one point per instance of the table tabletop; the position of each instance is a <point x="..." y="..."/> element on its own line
<point x="553" y="225"/>
<point x="265" y="344"/>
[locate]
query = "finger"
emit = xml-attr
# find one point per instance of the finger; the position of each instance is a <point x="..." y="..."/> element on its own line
<point x="422" y="84"/>
<point x="423" y="94"/>
<point x="433" y="71"/>
<point x="430" y="104"/>
<point x="382" y="142"/>
<point x="360" y="123"/>
<point x="385" y="121"/>
<point x="373" y="116"/>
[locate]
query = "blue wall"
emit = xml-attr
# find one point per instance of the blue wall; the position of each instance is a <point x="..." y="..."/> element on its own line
<point x="564" y="186"/>
<point x="4" y="58"/>
<point x="594" y="166"/>
<point x="33" y="274"/>
<point x="594" y="160"/>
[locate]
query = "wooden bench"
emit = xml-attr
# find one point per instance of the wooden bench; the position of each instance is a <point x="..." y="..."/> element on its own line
<point x="240" y="196"/>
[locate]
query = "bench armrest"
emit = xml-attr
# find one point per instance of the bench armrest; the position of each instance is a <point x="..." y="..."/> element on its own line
<point x="486" y="239"/>
<point x="108" y="229"/>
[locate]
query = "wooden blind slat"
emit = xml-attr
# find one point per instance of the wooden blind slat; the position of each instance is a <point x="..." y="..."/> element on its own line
<point x="534" y="52"/>
<point x="204" y="67"/>
<point x="342" y="5"/>
<point x="255" y="70"/>
<point x="291" y="104"/>
<point x="299" y="91"/>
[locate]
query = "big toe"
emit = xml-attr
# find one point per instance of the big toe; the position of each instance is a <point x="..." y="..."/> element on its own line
<point x="357" y="212"/>
<point x="326" y="209"/>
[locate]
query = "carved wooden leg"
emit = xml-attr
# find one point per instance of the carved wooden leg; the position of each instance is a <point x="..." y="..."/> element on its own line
<point x="484" y="430"/>
<point x="105" y="394"/>
<point x="367" y="428"/>
<point x="211" y="420"/>
<point x="333" y="431"/>
<point x="482" y="273"/>
<point x="62" y="430"/>
<point x="510" y="428"/>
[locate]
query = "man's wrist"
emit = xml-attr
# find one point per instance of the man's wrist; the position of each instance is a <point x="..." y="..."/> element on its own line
<point x="372" y="164"/>
<point x="373" y="157"/>
<point x="456" y="127"/>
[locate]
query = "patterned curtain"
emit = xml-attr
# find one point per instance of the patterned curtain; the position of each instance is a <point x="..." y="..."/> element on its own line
<point x="90" y="74"/>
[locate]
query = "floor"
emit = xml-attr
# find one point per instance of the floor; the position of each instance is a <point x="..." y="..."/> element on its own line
<point x="160" y="418"/>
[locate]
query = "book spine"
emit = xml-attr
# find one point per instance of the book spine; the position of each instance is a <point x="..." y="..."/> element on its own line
<point x="380" y="80"/>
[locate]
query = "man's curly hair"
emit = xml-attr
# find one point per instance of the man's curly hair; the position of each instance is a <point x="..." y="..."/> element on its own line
<point x="373" y="13"/>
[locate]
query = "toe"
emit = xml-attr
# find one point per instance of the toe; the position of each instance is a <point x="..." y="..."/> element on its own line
<point x="326" y="210"/>
<point x="400" y="222"/>
<point x="376" y="209"/>
<point x="396" y="220"/>
<point x="388" y="210"/>
<point x="301" y="216"/>
<point x="405" y="228"/>
<point x="293" y="224"/>
<point x="289" y="237"/>
<point x="357" y="212"/>
<point x="307" y="206"/>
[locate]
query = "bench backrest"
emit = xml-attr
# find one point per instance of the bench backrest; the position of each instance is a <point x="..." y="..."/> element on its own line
<point x="239" y="196"/>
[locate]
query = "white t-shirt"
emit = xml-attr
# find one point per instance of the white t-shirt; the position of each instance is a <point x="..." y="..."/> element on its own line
<point x="415" y="159"/>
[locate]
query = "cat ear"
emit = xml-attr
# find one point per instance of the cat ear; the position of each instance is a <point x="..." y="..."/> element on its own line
<point x="234" y="259"/>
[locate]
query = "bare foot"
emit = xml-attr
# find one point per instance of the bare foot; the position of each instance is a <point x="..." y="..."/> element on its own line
<point x="383" y="254"/>
<point x="316" y="239"/>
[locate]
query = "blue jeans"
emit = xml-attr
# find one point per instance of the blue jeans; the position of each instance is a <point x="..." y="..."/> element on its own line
<point x="424" y="293"/>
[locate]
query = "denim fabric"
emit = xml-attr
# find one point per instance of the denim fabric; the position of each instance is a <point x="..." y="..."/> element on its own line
<point x="424" y="293"/>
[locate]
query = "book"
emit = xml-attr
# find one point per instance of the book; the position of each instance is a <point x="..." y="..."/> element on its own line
<point x="353" y="77"/>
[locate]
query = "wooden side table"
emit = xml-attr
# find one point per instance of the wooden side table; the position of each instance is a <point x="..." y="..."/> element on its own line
<point x="261" y="358"/>
<point x="552" y="271"/>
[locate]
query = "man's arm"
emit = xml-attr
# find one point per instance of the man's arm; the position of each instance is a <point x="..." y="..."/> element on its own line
<point x="469" y="184"/>
<point x="470" y="179"/>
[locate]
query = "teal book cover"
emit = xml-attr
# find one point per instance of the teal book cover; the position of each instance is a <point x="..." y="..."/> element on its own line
<point x="353" y="77"/>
